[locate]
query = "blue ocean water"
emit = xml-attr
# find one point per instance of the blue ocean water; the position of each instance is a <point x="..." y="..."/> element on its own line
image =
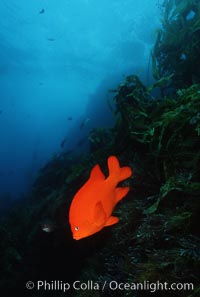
<point x="58" y="59"/>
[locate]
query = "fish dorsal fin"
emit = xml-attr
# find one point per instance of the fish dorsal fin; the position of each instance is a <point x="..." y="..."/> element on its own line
<point x="96" y="173"/>
<point x="99" y="214"/>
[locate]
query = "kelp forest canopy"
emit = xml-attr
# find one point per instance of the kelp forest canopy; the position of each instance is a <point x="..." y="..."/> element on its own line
<point x="177" y="48"/>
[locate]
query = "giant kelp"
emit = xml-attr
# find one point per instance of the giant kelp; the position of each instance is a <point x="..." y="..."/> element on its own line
<point x="177" y="47"/>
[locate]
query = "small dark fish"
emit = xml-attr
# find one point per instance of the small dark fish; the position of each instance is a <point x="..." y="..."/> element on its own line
<point x="62" y="144"/>
<point x="47" y="226"/>
<point x="50" y="39"/>
<point x="42" y="11"/>
<point x="69" y="118"/>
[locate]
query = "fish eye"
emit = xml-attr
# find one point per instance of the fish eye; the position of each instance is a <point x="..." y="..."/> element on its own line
<point x="76" y="228"/>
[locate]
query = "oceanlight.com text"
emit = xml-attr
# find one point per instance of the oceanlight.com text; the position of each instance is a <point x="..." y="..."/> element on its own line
<point x="90" y="285"/>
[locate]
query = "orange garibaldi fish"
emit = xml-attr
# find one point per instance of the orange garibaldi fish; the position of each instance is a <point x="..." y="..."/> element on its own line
<point x="92" y="206"/>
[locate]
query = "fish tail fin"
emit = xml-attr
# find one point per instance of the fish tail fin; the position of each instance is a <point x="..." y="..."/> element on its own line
<point x="121" y="192"/>
<point x="117" y="172"/>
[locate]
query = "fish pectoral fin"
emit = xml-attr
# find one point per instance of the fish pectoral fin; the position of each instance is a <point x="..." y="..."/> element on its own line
<point x="121" y="193"/>
<point x="111" y="221"/>
<point x="99" y="214"/>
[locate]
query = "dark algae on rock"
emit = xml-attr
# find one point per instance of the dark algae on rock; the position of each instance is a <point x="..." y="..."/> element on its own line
<point x="157" y="239"/>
